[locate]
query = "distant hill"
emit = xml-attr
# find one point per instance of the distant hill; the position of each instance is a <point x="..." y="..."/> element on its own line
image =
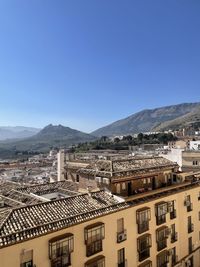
<point x="17" y="132"/>
<point x="50" y="136"/>
<point x="148" y="120"/>
<point x="191" y="118"/>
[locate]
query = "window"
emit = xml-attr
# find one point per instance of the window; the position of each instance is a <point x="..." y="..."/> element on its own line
<point x="190" y="225"/>
<point x="143" y="217"/>
<point x="121" y="257"/>
<point x="96" y="262"/>
<point x="174" y="234"/>
<point x="26" y="258"/>
<point x="121" y="233"/>
<point x="174" y="257"/>
<point x="190" y="262"/>
<point x="60" y="249"/>
<point x="195" y="162"/>
<point x="143" y="246"/>
<point x="161" y="210"/>
<point x="123" y="186"/>
<point x="190" y="247"/>
<point x="161" y="237"/>
<point x="171" y="209"/>
<point x="77" y="178"/>
<point x="162" y="259"/>
<point x="94" y="234"/>
<point x="188" y="203"/>
<point x="118" y="189"/>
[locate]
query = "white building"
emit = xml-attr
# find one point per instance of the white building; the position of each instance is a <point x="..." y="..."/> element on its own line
<point x="195" y="145"/>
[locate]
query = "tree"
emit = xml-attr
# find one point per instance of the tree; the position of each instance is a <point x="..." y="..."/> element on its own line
<point x="140" y="137"/>
<point x="116" y="140"/>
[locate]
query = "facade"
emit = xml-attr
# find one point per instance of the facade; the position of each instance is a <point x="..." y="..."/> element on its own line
<point x="130" y="176"/>
<point x="157" y="229"/>
<point x="180" y="144"/>
<point x="191" y="160"/>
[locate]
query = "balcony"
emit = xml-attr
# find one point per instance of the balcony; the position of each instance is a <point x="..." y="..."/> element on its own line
<point x="173" y="214"/>
<point x="190" y="228"/>
<point x="122" y="236"/>
<point x="143" y="227"/>
<point x="174" y="237"/>
<point x="94" y="235"/>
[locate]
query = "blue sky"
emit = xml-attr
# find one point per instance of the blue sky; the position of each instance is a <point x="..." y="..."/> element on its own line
<point x="87" y="63"/>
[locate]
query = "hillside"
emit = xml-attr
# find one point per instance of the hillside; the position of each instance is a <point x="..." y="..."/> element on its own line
<point x="191" y="118"/>
<point x="50" y="136"/>
<point x="146" y="120"/>
<point x="17" y="132"/>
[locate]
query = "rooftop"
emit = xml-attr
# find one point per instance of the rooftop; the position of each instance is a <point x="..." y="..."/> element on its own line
<point x="125" y="167"/>
<point x="23" y="222"/>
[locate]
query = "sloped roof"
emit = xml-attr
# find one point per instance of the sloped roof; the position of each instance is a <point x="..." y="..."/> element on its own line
<point x="35" y="220"/>
<point x="126" y="166"/>
<point x="49" y="187"/>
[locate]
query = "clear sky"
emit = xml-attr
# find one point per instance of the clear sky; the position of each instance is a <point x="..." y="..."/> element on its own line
<point x="87" y="63"/>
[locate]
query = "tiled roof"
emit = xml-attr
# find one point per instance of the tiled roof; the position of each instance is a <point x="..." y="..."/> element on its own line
<point x="35" y="220"/>
<point x="49" y="187"/>
<point x="125" y="167"/>
<point x="6" y="186"/>
<point x="23" y="223"/>
<point x="141" y="163"/>
<point x="23" y="198"/>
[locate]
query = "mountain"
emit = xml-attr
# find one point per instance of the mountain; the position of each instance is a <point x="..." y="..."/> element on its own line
<point x="191" y="118"/>
<point x="50" y="136"/>
<point x="17" y="132"/>
<point x="148" y="120"/>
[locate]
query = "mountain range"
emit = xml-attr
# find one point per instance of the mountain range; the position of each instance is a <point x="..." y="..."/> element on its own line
<point x="159" y="119"/>
<point x="17" y="132"/>
<point x="50" y="136"/>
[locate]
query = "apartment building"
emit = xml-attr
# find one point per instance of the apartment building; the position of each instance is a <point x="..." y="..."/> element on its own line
<point x="124" y="176"/>
<point x="158" y="228"/>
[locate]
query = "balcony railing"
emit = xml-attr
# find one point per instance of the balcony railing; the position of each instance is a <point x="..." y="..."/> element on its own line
<point x="143" y="227"/>
<point x="122" y="236"/>
<point x="190" y="228"/>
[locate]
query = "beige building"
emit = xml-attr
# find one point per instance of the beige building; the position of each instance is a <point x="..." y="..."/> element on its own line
<point x="158" y="228"/>
<point x="124" y="176"/>
<point x="191" y="160"/>
<point x="181" y="144"/>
